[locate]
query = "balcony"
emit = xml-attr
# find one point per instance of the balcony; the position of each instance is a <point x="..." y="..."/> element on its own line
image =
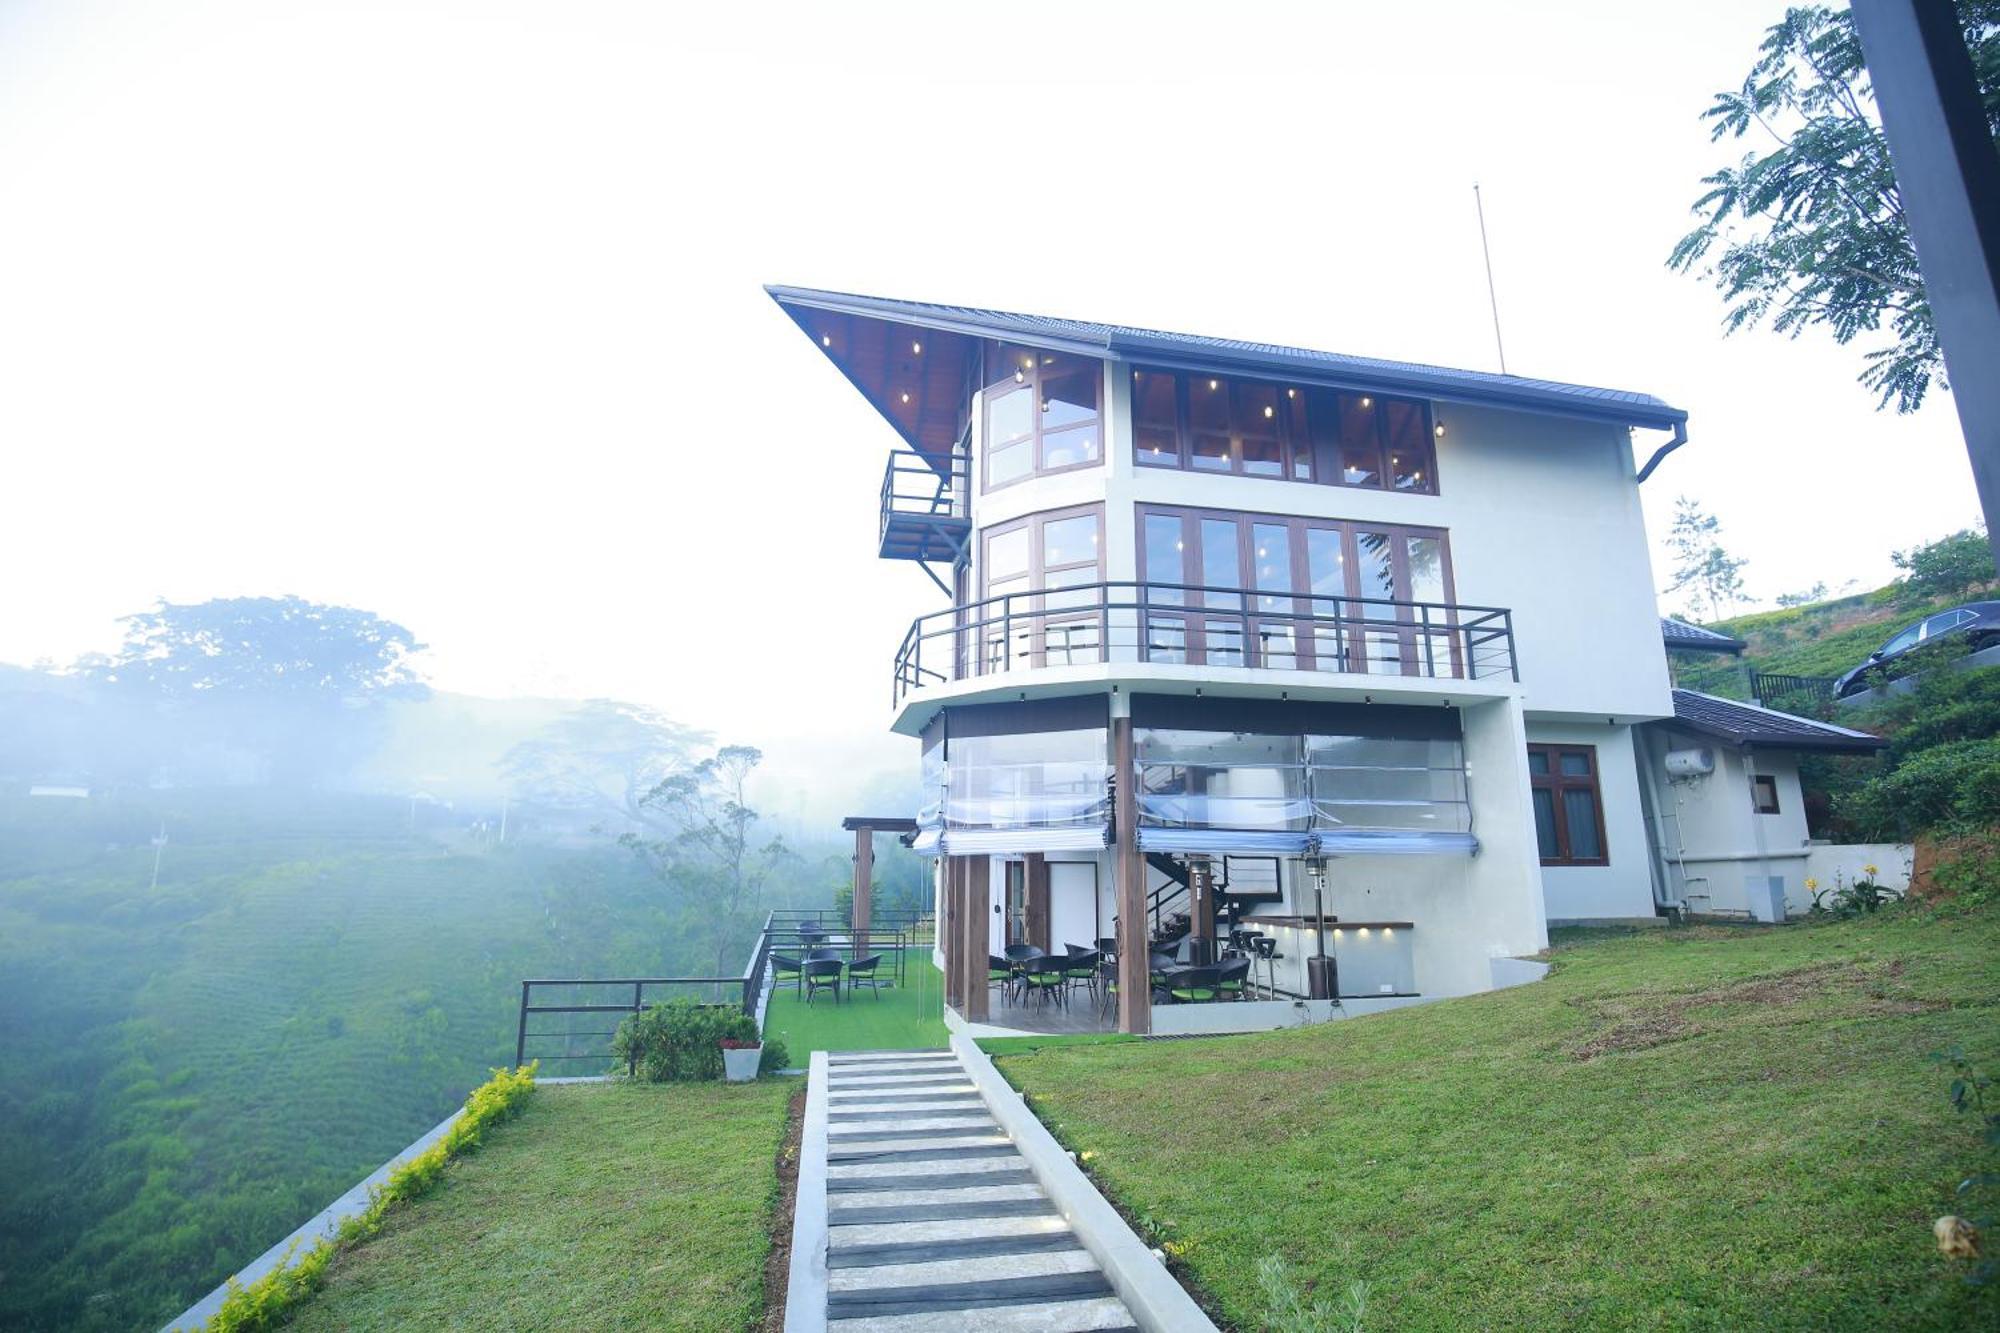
<point x="925" y="511"/>
<point x="1189" y="625"/>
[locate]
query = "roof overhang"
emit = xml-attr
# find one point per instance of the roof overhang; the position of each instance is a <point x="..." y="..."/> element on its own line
<point x="1178" y="352"/>
<point x="1766" y="728"/>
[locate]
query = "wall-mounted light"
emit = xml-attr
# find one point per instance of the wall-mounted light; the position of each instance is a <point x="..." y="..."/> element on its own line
<point x="1020" y="377"/>
<point x="916" y="349"/>
<point x="1214" y="384"/>
<point x="1291" y="393"/>
<point x="826" y="340"/>
<point x="1438" y="429"/>
<point x="1270" y="411"/>
<point x="906" y="397"/>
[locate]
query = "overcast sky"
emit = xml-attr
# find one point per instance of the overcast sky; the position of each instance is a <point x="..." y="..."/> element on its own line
<point x="452" y="311"/>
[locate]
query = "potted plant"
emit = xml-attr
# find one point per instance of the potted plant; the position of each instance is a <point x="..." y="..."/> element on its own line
<point x="740" y="1058"/>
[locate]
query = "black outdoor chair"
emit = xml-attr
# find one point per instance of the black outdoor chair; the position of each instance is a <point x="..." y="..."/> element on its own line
<point x="1074" y="949"/>
<point x="1044" y="977"/>
<point x="1194" y="985"/>
<point x="822" y="955"/>
<point x="1108" y="944"/>
<point x="861" y="972"/>
<point x="1019" y="956"/>
<point x="999" y="972"/>
<point x="823" y="974"/>
<point x="1081" y="966"/>
<point x="1231" y="978"/>
<point x="785" y="972"/>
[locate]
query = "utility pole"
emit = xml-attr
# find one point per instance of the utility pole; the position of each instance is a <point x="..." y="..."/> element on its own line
<point x="1948" y="177"/>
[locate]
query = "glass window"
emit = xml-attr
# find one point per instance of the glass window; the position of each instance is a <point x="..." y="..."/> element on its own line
<point x="1071" y="448"/>
<point x="1271" y="562"/>
<point x="1292" y="412"/>
<point x="1155" y="420"/>
<point x="1041" y="413"/>
<point x="1068" y="541"/>
<point x="1220" y="566"/>
<point x="1409" y="445"/>
<point x="1569" y="808"/>
<point x="1010" y="463"/>
<point x="1256" y="418"/>
<point x="1165" y="558"/>
<point x="1009" y="417"/>
<point x="1764" y="793"/>
<point x="1360" y="442"/>
<point x="1208" y="424"/>
<point x="1069" y="394"/>
<point x="1006" y="555"/>
<point x="1907" y="639"/>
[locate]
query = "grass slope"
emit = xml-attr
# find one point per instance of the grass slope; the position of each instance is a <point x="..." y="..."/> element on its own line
<point x="900" y="1018"/>
<point x="1690" y="1128"/>
<point x="603" y="1206"/>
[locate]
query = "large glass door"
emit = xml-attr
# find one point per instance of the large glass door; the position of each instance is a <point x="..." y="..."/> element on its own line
<point x="1015" y="878"/>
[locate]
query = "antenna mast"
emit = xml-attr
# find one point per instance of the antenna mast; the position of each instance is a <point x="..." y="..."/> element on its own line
<point x="1491" y="298"/>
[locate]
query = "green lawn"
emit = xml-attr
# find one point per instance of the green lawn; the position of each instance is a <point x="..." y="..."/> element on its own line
<point x="1690" y="1128"/>
<point x="602" y="1206"/>
<point x="907" y="1017"/>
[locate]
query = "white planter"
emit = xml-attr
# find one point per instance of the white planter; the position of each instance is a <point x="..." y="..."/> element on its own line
<point x="740" y="1066"/>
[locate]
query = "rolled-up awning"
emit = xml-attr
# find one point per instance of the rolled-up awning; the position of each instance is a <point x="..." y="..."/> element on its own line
<point x="928" y="842"/>
<point x="1019" y="841"/>
<point x="1222" y="841"/>
<point x="1393" y="842"/>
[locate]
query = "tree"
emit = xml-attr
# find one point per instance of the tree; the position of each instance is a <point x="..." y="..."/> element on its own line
<point x="1947" y="566"/>
<point x="1811" y="230"/>
<point x="1805" y="596"/>
<point x="263" y="647"/>
<point x="713" y="858"/>
<point x="1712" y="578"/>
<point x="604" y="756"/>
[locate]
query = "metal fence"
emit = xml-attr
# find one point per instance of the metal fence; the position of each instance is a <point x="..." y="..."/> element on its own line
<point x="1778" y="691"/>
<point x="571" y="1019"/>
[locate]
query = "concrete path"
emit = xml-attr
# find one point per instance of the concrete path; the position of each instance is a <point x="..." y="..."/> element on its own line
<point x="934" y="1220"/>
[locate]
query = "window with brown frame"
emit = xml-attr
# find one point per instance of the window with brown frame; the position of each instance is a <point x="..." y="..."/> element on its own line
<point x="1042" y="565"/>
<point x="1041" y="414"/>
<point x="1764" y="793"/>
<point x="1260" y="428"/>
<point x="1569" y="807"/>
<point x="1321" y="592"/>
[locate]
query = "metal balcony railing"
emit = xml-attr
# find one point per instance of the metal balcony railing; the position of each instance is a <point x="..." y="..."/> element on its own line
<point x="925" y="506"/>
<point x="1196" y="625"/>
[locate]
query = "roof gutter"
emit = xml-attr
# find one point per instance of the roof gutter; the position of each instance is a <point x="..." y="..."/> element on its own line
<point x="1680" y="438"/>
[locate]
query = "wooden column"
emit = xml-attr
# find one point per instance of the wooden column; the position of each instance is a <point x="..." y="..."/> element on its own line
<point x="864" y="903"/>
<point x="978" y="908"/>
<point x="951" y="933"/>
<point x="1135" y="989"/>
<point x="1037" y="874"/>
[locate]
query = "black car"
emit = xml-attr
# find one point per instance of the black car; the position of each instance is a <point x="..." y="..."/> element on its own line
<point x="1979" y="622"/>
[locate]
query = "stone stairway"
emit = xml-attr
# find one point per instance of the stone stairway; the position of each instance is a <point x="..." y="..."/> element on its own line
<point x="934" y="1220"/>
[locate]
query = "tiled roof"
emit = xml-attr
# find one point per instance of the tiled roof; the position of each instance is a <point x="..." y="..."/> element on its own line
<point x="1747" y="724"/>
<point x="1122" y="342"/>
<point x="1680" y="634"/>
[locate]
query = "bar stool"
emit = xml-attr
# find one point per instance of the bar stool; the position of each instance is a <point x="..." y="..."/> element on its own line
<point x="1265" y="947"/>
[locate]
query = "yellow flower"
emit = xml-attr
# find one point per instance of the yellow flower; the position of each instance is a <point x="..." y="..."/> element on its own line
<point x="1811" y="883"/>
<point x="1870" y="870"/>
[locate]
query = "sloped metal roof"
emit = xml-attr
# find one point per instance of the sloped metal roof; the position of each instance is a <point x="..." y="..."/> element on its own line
<point x="1120" y="342"/>
<point x="1681" y="634"/>
<point x="1748" y="724"/>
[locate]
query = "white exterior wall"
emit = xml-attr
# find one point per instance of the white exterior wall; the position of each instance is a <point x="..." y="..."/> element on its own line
<point x="1543" y="518"/>
<point x="1622" y="890"/>
<point x="1718" y="852"/>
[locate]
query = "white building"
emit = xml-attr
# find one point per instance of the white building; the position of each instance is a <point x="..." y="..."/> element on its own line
<point x="1218" y="610"/>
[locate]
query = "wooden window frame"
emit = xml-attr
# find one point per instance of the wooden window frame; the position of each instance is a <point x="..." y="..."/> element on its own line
<point x="1033" y="524"/>
<point x="1031" y="384"/>
<point x="1301" y="445"/>
<point x="1556" y="782"/>
<point x="1760" y="783"/>
<point x="1195" y="619"/>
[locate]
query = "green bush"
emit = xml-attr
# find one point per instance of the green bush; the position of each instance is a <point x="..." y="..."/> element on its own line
<point x="1945" y="706"/>
<point x="682" y="1042"/>
<point x="1947" y="566"/>
<point x="1967" y="869"/>
<point x="1948" y="788"/>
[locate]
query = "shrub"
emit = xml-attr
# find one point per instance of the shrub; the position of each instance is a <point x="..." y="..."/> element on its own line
<point x="1948" y="788"/>
<point x="266" y="1303"/>
<point x="1947" y="566"/>
<point x="682" y="1042"/>
<point x="1967" y="869"/>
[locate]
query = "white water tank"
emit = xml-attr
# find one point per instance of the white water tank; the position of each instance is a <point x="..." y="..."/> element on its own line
<point x="1695" y="763"/>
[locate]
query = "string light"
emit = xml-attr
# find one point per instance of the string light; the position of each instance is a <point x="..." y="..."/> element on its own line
<point x="916" y="349"/>
<point x="1214" y="384"/>
<point x="1270" y="411"/>
<point x="1366" y="401"/>
<point x="906" y="397"/>
<point x="1291" y="393"/>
